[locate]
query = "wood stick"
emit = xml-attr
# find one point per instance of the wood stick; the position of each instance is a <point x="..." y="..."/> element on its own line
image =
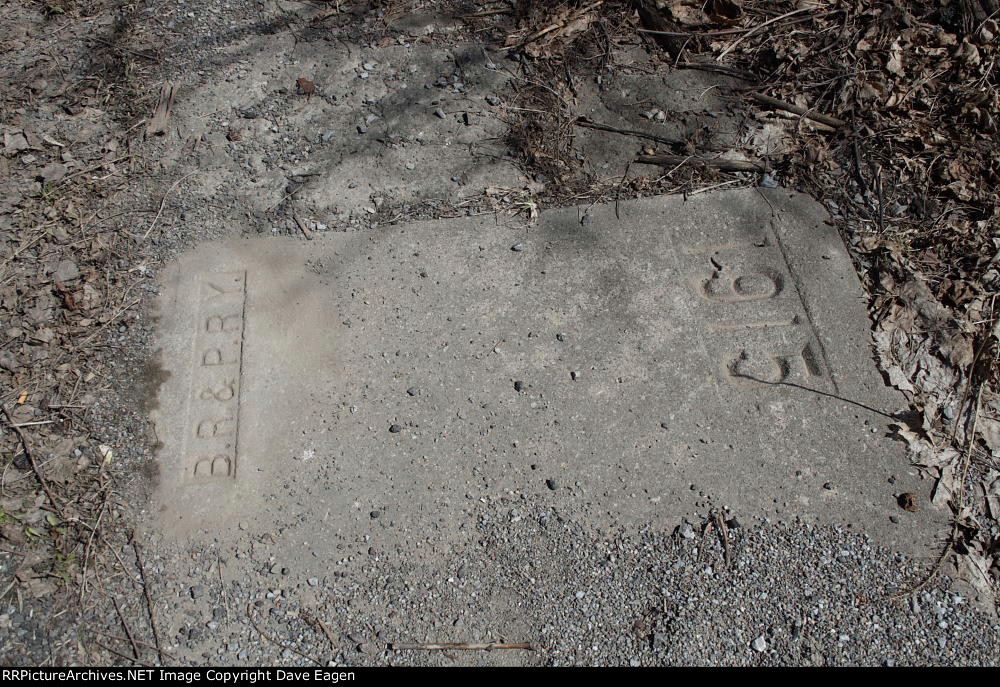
<point x="552" y="27"/>
<point x="31" y="458"/>
<point x="757" y="28"/>
<point x="717" y="69"/>
<point x="121" y="655"/>
<point x="149" y="599"/>
<point x="128" y="631"/>
<point x="302" y="225"/>
<point x="462" y="646"/>
<point x="589" y="124"/>
<point x="795" y="109"/>
<point x="716" y="163"/>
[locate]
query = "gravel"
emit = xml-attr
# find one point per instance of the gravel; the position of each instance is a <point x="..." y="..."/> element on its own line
<point x="792" y="594"/>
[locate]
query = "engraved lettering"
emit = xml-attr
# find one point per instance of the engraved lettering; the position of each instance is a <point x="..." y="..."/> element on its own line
<point x="774" y="368"/>
<point x="208" y="429"/>
<point x="214" y="357"/>
<point x="216" y="324"/>
<point x="746" y="287"/>
<point x="213" y="440"/>
<point x="219" y="288"/>
<point x="214" y="466"/>
<point x="225" y="393"/>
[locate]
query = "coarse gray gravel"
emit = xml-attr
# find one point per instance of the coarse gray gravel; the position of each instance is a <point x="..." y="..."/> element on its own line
<point x="794" y="594"/>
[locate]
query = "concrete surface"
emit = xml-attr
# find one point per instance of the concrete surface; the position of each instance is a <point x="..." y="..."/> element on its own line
<point x="643" y="363"/>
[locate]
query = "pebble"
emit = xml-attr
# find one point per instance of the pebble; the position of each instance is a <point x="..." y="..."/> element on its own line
<point x="768" y="181"/>
<point x="395" y="429"/>
<point x="759" y="644"/>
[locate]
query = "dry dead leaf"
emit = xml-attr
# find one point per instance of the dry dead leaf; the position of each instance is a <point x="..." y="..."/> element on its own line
<point x="725" y="12"/>
<point x="688" y="13"/>
<point x="305" y="86"/>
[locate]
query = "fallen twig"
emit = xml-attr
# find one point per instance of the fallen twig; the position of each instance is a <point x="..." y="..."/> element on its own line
<point x="715" y="163"/>
<point x="558" y="25"/>
<point x="801" y="111"/>
<point x="128" y="631"/>
<point x="302" y="225"/>
<point x="158" y="122"/>
<point x="121" y="655"/>
<point x="315" y="623"/>
<point x="149" y="599"/>
<point x="590" y="124"/>
<point x="731" y="46"/>
<point x="31" y="458"/>
<point x="461" y="646"/>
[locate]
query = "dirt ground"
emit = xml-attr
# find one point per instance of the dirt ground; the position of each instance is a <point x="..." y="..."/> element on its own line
<point x="133" y="131"/>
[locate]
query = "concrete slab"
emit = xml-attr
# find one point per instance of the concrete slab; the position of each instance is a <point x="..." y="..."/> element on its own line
<point x="638" y="363"/>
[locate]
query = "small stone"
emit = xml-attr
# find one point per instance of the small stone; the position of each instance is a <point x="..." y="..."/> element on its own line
<point x="493" y="100"/>
<point x="561" y="336"/>
<point x="552" y="484"/>
<point x="518" y="385"/>
<point x="517" y="247"/>
<point x="828" y="486"/>
<point x="395" y="429"/>
<point x="759" y="644"/>
<point x="413" y="391"/>
<point x="197" y="592"/>
<point x="375" y="515"/>
<point x="362" y="129"/>
<point x="768" y="181"/>
<point x="575" y="374"/>
<point x="312" y="581"/>
<point x="439" y="113"/>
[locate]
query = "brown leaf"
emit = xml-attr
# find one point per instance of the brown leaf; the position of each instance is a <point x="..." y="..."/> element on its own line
<point x="305" y="86"/>
<point x="908" y="502"/>
<point x="725" y="12"/>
